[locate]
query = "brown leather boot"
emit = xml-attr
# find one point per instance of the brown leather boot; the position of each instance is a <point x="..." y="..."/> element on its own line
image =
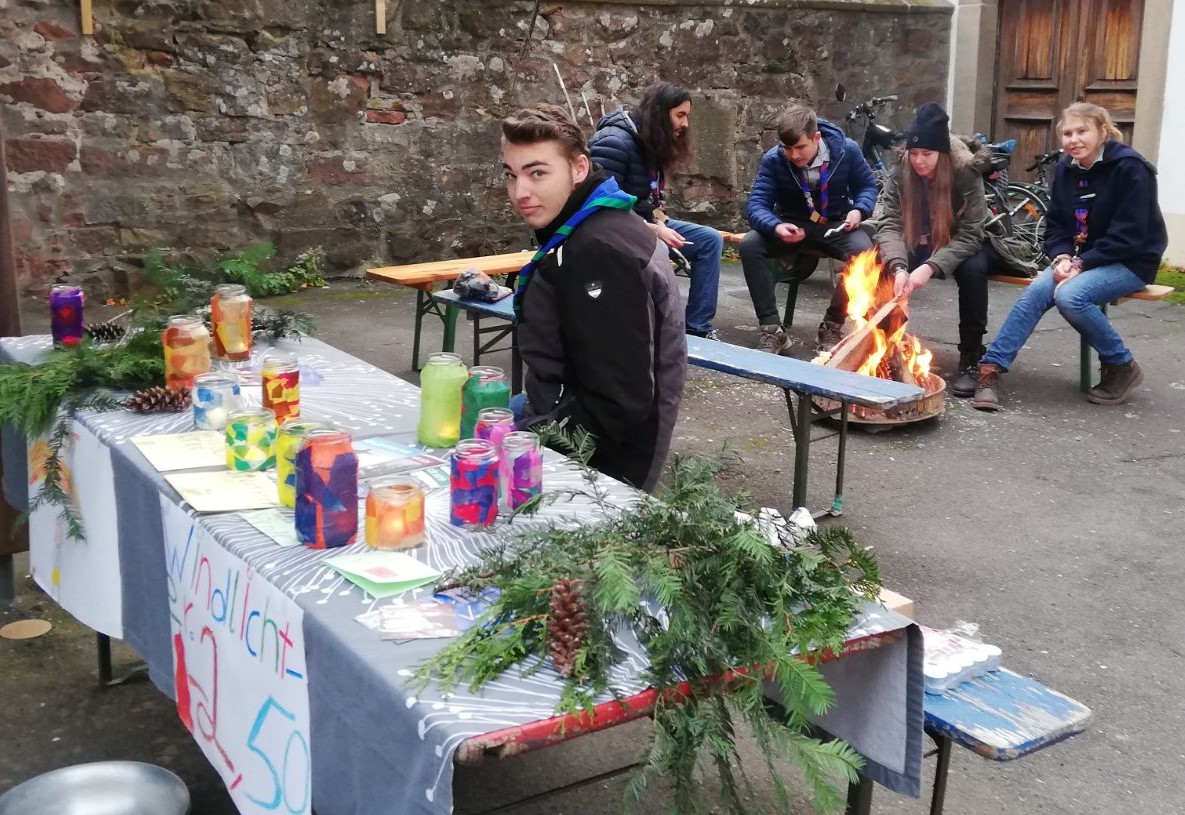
<point x="987" y="386"/>
<point x="1116" y="384"/>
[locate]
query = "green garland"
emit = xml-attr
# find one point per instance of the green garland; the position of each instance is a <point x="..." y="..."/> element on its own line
<point x="44" y="398"/>
<point x="732" y="602"/>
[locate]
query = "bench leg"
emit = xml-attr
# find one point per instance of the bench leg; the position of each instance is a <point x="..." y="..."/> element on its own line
<point x="1086" y="361"/>
<point x="421" y="310"/>
<point x="791" y="302"/>
<point x="450" y="329"/>
<point x="938" y="800"/>
<point x="516" y="364"/>
<point x="837" y="501"/>
<point x="859" y="797"/>
<point x="800" y="425"/>
<point x="476" y="339"/>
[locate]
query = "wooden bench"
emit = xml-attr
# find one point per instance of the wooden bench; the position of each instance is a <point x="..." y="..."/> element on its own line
<point x="1000" y="715"/>
<point x="1151" y="292"/>
<point x="500" y="310"/>
<point x="783" y="272"/>
<point x="801" y="381"/>
<point x="425" y="277"/>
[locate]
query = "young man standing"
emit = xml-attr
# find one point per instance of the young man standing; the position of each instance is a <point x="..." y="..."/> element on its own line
<point x="600" y="326"/>
<point x="815" y="180"/>
<point x="640" y="149"/>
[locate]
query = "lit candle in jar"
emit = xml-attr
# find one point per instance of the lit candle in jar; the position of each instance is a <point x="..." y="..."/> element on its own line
<point x="395" y="514"/>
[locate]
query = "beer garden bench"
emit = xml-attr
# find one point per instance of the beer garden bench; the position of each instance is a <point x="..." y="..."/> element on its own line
<point x="1151" y="292"/>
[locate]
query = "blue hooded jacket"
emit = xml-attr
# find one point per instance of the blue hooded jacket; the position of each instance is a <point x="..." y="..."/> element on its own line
<point x="777" y="197"/>
<point x="1123" y="224"/>
<point x="617" y="148"/>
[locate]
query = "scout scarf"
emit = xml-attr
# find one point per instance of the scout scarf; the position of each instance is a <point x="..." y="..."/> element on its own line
<point x="606" y="195"/>
<point x="819" y="215"/>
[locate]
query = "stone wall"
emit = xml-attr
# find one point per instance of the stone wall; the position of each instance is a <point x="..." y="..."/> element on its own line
<point x="204" y="125"/>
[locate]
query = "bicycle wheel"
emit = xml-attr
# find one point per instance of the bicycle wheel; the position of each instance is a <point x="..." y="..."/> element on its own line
<point x="1026" y="211"/>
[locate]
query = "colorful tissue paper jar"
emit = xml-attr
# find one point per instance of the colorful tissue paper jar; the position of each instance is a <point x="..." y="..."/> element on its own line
<point x="214" y="397"/>
<point x="289" y="438"/>
<point x="473" y="484"/>
<point x="493" y="424"/>
<point x="485" y="387"/>
<point x="230" y="314"/>
<point x="186" y="344"/>
<point x="281" y="385"/>
<point x="395" y="514"/>
<point x="250" y="440"/>
<point x="327" y="490"/>
<point x="521" y="468"/>
<point x="65" y="314"/>
<point x="441" y="383"/>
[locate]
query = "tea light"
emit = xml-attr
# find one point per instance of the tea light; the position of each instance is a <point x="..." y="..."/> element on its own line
<point x="395" y="514"/>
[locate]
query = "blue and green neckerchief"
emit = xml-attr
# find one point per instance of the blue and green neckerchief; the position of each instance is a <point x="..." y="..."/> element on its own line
<point x="606" y="195"/>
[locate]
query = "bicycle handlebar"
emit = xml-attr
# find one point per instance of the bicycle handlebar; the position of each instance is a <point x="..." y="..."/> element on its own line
<point x="1044" y="158"/>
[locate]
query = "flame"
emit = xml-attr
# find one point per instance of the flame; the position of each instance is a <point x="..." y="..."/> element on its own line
<point x="867" y="291"/>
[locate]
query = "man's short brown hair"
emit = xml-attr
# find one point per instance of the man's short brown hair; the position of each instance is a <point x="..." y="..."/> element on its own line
<point x="545" y="122"/>
<point x="795" y="122"/>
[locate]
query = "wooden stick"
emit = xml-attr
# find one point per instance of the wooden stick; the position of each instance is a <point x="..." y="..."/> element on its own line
<point x="380" y="16"/>
<point x="88" y="20"/>
<point x="588" y="110"/>
<point x="564" y="88"/>
<point x="858" y="339"/>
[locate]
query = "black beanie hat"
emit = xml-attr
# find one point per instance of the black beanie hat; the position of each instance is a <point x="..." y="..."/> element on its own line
<point x="930" y="129"/>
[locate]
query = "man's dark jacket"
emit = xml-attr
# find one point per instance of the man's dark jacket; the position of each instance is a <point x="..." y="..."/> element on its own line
<point x="1124" y="225"/>
<point x="602" y="336"/>
<point x="777" y="196"/>
<point x="617" y="148"/>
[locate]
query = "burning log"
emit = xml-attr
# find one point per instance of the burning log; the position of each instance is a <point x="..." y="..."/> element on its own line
<point x="860" y="345"/>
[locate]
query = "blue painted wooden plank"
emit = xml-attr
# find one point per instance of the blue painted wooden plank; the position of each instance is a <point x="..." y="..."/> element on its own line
<point x="799" y="375"/>
<point x="1003" y="715"/>
<point x="502" y="309"/>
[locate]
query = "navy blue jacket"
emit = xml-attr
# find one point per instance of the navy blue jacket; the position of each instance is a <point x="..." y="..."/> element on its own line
<point x="777" y="197"/>
<point x="617" y="147"/>
<point x="1124" y="224"/>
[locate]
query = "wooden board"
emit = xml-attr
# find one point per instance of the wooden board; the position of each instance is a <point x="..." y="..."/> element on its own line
<point x="855" y="348"/>
<point x="896" y="602"/>
<point x="1002" y="715"/>
<point x="418" y="274"/>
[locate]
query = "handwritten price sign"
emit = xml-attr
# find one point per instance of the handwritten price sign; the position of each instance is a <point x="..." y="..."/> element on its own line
<point x="239" y="670"/>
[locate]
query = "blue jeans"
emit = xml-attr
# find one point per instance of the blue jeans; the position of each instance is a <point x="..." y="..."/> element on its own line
<point x="704" y="256"/>
<point x="1078" y="301"/>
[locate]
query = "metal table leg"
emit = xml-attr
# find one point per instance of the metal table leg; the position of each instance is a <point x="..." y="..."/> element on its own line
<point x="107" y="678"/>
<point x="801" y="426"/>
<point x="7" y="581"/>
<point x="837" y="502"/>
<point x="940" y="772"/>
<point x="859" y="797"/>
<point x="1086" y="361"/>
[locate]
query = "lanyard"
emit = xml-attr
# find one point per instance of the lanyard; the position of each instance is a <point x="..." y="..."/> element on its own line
<point x="819" y="215"/>
<point x="606" y="195"/>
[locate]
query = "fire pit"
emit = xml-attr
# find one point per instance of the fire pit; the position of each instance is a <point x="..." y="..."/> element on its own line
<point x="877" y="345"/>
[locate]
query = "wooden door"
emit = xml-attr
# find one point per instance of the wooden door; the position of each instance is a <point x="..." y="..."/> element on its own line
<point x="1054" y="52"/>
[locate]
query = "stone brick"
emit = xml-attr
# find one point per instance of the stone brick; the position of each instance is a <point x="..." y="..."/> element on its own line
<point x="343" y="93"/>
<point x="100" y="162"/>
<point x="52" y="31"/>
<point x="49" y="155"/>
<point x="40" y="92"/>
<point x="386" y="117"/>
<point x="95" y="240"/>
<point x="159" y="59"/>
<point x="189" y="92"/>
<point x="332" y="171"/>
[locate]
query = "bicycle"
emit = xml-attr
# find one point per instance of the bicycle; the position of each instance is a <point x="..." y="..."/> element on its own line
<point x="1018" y="212"/>
<point x="875" y="137"/>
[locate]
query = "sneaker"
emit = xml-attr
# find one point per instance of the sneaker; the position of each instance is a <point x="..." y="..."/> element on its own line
<point x="710" y="334"/>
<point x="773" y="340"/>
<point x="967" y="377"/>
<point x="987" y="387"/>
<point x="1117" y="383"/>
<point x="829" y="335"/>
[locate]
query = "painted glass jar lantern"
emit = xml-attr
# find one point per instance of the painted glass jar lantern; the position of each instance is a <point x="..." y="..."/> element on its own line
<point x="327" y="490"/>
<point x="289" y="438"/>
<point x="230" y="314"/>
<point x="281" y="385"/>
<point x="214" y="397"/>
<point x="395" y="514"/>
<point x="473" y="484"/>
<point x="440" y="400"/>
<point x="187" y="350"/>
<point x="485" y="387"/>
<point x="250" y="440"/>
<point x="65" y="314"/>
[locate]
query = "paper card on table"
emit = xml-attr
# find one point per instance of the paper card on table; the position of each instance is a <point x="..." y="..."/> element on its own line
<point x="419" y="620"/>
<point x="225" y="491"/>
<point x="183" y="451"/>
<point x="277" y="524"/>
<point x="383" y="574"/>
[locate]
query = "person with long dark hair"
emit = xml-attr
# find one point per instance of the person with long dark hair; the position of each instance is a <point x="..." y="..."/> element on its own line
<point x="1106" y="235"/>
<point x="933" y="226"/>
<point x="642" y="148"/>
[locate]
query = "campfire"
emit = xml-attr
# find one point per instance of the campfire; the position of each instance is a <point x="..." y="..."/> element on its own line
<point x="876" y="344"/>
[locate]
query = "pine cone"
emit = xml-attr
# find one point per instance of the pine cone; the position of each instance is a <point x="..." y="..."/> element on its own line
<point x="158" y="400"/>
<point x="109" y="331"/>
<point x="566" y="626"/>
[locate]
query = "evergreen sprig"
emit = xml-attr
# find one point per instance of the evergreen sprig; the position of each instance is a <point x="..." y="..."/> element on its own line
<point x="716" y="606"/>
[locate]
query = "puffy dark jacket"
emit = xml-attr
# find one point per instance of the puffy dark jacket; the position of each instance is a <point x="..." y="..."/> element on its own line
<point x="617" y="148"/>
<point x="602" y="336"/>
<point x="777" y="197"/>
<point x="1124" y="224"/>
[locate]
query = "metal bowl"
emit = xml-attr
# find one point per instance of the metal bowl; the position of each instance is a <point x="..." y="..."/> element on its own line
<point x="101" y="788"/>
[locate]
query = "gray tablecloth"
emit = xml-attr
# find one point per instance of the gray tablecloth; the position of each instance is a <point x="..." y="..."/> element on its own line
<point x="371" y="740"/>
